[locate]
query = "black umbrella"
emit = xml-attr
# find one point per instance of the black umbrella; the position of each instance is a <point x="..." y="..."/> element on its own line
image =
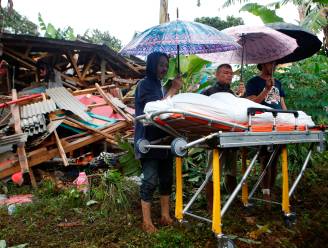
<point x="308" y="43"/>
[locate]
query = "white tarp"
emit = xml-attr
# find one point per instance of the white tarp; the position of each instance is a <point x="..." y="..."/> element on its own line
<point x="223" y="106"/>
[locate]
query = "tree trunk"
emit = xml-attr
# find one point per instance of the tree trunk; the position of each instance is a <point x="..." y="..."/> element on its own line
<point x="163" y="14"/>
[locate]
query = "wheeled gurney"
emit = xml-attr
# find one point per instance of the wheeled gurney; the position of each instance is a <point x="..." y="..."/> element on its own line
<point x="192" y="129"/>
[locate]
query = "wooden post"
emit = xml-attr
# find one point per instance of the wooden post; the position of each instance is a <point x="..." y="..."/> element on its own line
<point x="103" y="71"/>
<point x="22" y="158"/>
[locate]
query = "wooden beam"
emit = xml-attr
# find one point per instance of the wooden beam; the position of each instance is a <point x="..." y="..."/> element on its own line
<point x="22" y="158"/>
<point x="108" y="136"/>
<point x="87" y="67"/>
<point x="20" y="60"/>
<point x="125" y="81"/>
<point x="21" y="55"/>
<point x="91" y="90"/>
<point x="103" y="71"/>
<point x="72" y="79"/>
<point x="108" y="98"/>
<point x="76" y="68"/>
<point x="61" y="149"/>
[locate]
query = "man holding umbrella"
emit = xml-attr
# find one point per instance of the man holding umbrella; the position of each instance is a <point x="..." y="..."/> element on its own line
<point x="266" y="90"/>
<point x="157" y="165"/>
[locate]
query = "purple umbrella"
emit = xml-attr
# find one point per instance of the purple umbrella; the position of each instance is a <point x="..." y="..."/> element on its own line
<point x="180" y="37"/>
<point x="260" y="44"/>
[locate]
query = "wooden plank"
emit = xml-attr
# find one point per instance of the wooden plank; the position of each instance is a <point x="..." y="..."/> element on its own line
<point x="108" y="98"/>
<point x="20" y="60"/>
<point x="5" y="119"/>
<point x="108" y="136"/>
<point x="41" y="156"/>
<point x="87" y="67"/>
<point x="76" y="68"/>
<point x="91" y="106"/>
<point x="91" y="90"/>
<point x="61" y="149"/>
<point x="72" y="80"/>
<point x="20" y="55"/>
<point x="124" y="81"/>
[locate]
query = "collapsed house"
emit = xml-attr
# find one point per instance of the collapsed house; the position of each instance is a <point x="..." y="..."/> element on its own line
<point x="58" y="97"/>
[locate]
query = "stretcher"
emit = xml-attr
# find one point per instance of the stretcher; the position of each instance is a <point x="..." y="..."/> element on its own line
<point x="192" y="129"/>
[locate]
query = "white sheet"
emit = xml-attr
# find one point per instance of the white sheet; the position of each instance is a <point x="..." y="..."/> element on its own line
<point x="223" y="106"/>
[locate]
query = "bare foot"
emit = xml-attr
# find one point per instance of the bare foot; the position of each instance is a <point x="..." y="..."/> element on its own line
<point x="166" y="221"/>
<point x="149" y="228"/>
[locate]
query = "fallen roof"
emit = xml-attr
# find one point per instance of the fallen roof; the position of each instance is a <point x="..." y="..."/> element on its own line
<point x="33" y="45"/>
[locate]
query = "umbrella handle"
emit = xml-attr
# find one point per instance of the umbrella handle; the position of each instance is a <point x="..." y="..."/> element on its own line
<point x="178" y="58"/>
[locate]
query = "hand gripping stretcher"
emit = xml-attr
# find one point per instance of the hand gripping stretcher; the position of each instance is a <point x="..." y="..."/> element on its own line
<point x="191" y="129"/>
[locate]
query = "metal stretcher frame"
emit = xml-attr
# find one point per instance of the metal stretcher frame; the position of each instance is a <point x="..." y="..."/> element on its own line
<point x="236" y="135"/>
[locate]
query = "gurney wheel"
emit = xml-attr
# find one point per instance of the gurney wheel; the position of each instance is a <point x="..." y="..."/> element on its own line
<point x="141" y="146"/>
<point x="225" y="242"/>
<point x="290" y="220"/>
<point x="177" y="146"/>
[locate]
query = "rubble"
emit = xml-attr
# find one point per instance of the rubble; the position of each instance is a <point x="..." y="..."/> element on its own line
<point x="58" y="118"/>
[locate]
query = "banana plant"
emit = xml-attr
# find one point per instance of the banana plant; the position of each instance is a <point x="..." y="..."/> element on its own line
<point x="51" y="32"/>
<point x="192" y="70"/>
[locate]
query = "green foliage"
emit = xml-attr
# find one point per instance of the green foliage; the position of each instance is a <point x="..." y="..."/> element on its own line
<point x="15" y="23"/>
<point x="51" y="32"/>
<point x="219" y="24"/>
<point x="191" y="68"/>
<point x="129" y="164"/>
<point x="315" y="20"/>
<point x="306" y="87"/>
<point x="267" y="15"/>
<point x="98" y="37"/>
<point x="195" y="165"/>
<point x="114" y="192"/>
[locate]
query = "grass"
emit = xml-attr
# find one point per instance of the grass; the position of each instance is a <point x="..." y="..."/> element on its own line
<point x="100" y="225"/>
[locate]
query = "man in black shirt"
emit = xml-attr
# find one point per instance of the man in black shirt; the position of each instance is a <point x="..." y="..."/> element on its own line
<point x="228" y="159"/>
<point x="267" y="90"/>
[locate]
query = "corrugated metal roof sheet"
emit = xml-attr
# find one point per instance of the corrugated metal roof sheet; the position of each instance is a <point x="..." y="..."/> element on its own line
<point x="37" y="108"/>
<point x="67" y="101"/>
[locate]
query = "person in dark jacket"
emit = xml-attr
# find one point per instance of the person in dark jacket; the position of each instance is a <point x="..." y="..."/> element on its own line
<point x="157" y="164"/>
<point x="228" y="159"/>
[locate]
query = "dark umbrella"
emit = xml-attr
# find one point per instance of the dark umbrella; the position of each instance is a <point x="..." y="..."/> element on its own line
<point x="308" y="43"/>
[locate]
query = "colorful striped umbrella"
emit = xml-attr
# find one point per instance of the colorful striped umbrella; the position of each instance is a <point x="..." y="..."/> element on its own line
<point x="180" y="37"/>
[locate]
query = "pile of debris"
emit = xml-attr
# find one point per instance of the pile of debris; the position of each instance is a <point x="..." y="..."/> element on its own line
<point x="58" y="122"/>
<point x="60" y="100"/>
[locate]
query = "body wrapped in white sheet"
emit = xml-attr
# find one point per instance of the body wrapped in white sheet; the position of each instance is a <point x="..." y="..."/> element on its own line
<point x="223" y="106"/>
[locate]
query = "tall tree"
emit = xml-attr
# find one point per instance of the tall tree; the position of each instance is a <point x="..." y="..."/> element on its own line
<point x="15" y="23"/>
<point x="219" y="24"/>
<point x="98" y="37"/>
